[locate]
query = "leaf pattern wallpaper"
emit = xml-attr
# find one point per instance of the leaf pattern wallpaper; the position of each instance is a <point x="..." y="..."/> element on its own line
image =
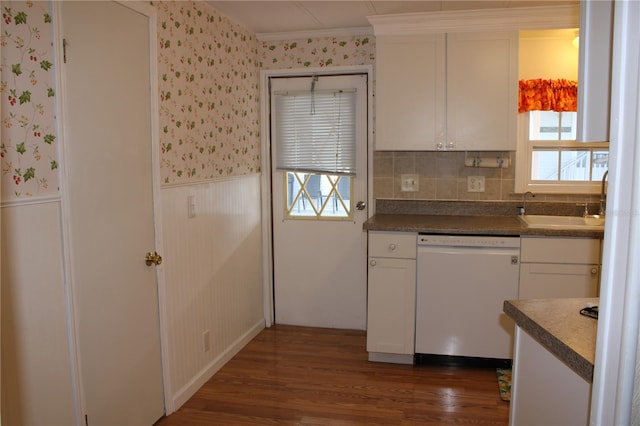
<point x="28" y="149"/>
<point x="208" y="71"/>
<point x="209" y="106"/>
<point x="317" y="52"/>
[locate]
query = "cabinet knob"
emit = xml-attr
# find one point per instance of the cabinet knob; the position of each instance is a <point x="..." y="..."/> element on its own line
<point x="594" y="271"/>
<point x="392" y="247"/>
<point x="372" y="262"/>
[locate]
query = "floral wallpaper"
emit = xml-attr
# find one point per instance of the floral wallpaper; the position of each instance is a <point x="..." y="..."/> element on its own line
<point x="317" y="52"/>
<point x="28" y="148"/>
<point x="209" y="106"/>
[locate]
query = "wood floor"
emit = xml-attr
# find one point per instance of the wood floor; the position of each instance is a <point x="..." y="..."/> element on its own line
<point x="309" y="376"/>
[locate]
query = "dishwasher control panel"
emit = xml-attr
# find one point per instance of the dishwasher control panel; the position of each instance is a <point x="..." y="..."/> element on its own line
<point x="468" y="241"/>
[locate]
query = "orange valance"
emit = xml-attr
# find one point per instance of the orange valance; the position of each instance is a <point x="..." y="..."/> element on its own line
<point x="548" y="95"/>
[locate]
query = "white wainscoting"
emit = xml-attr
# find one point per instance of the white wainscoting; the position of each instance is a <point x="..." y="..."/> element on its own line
<point x="36" y="367"/>
<point x="212" y="277"/>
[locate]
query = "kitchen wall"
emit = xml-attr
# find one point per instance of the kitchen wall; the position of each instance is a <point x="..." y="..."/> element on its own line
<point x="209" y="137"/>
<point x="36" y="375"/>
<point x="210" y="140"/>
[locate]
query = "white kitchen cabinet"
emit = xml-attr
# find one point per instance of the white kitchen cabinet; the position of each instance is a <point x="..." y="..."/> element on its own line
<point x="482" y="91"/>
<point x="410" y="92"/>
<point x="544" y="391"/>
<point x="455" y="92"/>
<point x="391" y="297"/>
<point x="553" y="267"/>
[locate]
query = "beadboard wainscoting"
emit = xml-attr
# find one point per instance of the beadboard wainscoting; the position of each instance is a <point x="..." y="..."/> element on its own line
<point x="36" y="364"/>
<point x="213" y="277"/>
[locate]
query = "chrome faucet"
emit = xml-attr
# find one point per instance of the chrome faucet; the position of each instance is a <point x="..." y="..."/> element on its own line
<point x="523" y="209"/>
<point x="603" y="195"/>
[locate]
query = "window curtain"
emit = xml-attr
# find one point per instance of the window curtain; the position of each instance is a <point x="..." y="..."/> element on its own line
<point x="548" y="95"/>
<point x="315" y="132"/>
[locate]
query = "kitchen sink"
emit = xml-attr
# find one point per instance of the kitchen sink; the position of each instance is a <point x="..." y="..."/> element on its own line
<point x="566" y="222"/>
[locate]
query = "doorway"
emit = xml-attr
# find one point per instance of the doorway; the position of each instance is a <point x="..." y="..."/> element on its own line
<point x="109" y="219"/>
<point x="319" y="246"/>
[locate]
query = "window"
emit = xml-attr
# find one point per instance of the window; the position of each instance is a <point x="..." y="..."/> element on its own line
<point x="549" y="158"/>
<point x="315" y="148"/>
<point x="313" y="195"/>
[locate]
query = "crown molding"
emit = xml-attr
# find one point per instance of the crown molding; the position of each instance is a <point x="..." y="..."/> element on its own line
<point x="336" y="32"/>
<point x="506" y="19"/>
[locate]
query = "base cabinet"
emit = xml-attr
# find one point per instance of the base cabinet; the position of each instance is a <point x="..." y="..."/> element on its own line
<point x="553" y="267"/>
<point x="391" y="297"/>
<point x="544" y="390"/>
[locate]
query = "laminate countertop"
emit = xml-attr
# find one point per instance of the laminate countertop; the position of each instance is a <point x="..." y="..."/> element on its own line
<point x="558" y="326"/>
<point x="467" y="225"/>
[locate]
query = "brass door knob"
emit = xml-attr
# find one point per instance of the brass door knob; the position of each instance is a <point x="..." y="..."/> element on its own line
<point x="152" y="258"/>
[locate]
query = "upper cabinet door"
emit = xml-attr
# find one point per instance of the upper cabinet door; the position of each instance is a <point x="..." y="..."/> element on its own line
<point x="482" y="84"/>
<point x="410" y="92"/>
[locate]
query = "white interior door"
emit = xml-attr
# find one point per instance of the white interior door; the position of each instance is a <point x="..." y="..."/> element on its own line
<point x="320" y="270"/>
<point x="107" y="108"/>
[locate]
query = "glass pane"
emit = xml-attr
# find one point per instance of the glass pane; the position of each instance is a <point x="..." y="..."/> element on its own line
<point x="544" y="164"/>
<point x="575" y="165"/>
<point x="544" y="125"/>
<point x="568" y="126"/>
<point x="311" y="195"/>
<point x="599" y="164"/>
<point x="341" y="201"/>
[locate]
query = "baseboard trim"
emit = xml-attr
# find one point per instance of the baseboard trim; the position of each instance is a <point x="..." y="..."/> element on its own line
<point x="212" y="368"/>
<point x="391" y="358"/>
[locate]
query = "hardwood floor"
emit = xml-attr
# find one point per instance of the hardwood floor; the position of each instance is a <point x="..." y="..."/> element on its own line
<point x="309" y="376"/>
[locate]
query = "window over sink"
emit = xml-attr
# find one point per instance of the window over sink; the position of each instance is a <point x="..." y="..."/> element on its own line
<point x="551" y="159"/>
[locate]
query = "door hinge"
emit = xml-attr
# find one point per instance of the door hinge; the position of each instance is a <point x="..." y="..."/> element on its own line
<point x="64" y="50"/>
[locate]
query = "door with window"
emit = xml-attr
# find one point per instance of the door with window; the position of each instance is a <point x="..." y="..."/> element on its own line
<point x="319" y="193"/>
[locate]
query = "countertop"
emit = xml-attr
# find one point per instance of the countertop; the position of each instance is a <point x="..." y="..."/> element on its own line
<point x="558" y="326"/>
<point x="467" y="225"/>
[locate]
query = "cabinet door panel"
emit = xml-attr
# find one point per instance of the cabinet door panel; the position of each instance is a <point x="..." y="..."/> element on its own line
<point x="482" y="84"/>
<point x="391" y="305"/>
<point x="410" y="91"/>
<point x="544" y="390"/>
<point x="550" y="281"/>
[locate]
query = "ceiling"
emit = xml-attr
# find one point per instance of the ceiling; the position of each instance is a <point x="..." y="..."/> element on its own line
<point x="263" y="17"/>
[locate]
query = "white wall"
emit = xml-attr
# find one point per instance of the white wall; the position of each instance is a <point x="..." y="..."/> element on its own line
<point x="213" y="273"/>
<point x="548" y="54"/>
<point x="36" y="373"/>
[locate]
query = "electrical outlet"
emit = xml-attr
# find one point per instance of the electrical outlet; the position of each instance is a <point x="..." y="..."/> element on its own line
<point x="409" y="183"/>
<point x="475" y="183"/>
<point x="206" y="341"/>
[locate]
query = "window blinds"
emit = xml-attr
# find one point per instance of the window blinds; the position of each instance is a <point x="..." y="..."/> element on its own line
<point x="315" y="131"/>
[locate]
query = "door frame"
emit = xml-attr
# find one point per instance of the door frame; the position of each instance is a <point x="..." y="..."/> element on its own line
<point x="149" y="11"/>
<point x="265" y="125"/>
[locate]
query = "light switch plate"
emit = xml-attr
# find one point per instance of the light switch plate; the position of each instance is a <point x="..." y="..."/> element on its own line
<point x="191" y="206"/>
<point x="475" y="183"/>
<point x="409" y="183"/>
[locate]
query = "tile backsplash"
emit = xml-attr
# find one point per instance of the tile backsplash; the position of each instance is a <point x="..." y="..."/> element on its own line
<point x="443" y="176"/>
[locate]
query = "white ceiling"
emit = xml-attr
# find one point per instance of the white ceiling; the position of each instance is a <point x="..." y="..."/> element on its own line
<point x="285" y="16"/>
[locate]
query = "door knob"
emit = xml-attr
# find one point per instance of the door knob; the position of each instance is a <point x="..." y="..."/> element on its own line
<point x="360" y="205"/>
<point x="152" y="258"/>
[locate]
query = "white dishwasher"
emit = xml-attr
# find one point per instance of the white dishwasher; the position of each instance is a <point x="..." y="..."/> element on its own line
<point x="462" y="283"/>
